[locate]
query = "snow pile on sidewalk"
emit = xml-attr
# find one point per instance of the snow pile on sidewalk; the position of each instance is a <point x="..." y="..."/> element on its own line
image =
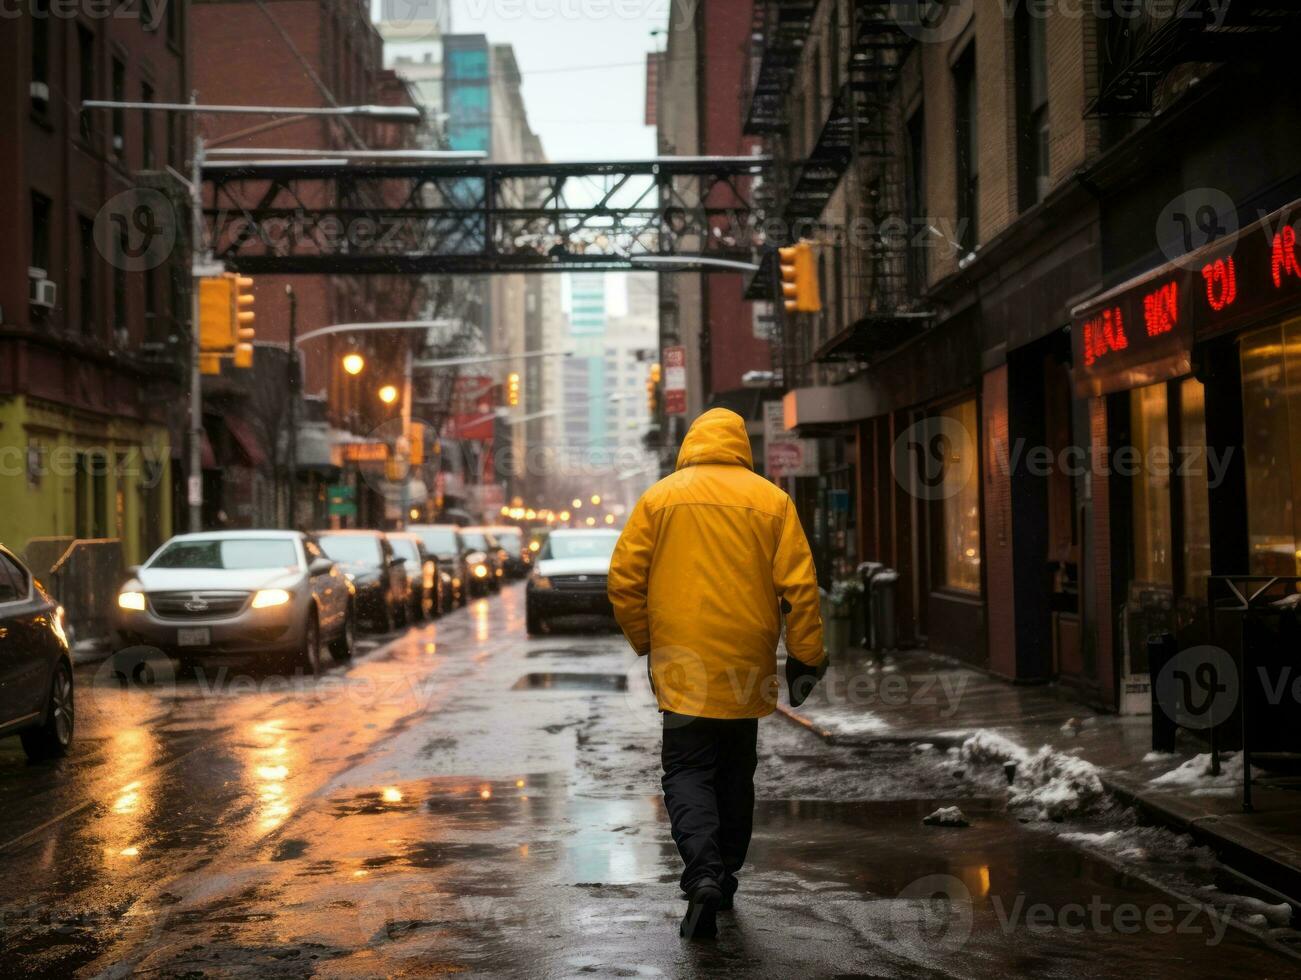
<point x="1195" y="775"/>
<point x="1258" y="913"/>
<point x="1052" y="784"/>
<point x="947" y="816"/>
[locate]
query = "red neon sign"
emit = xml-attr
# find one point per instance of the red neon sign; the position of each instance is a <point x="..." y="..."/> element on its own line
<point x="1282" y="260"/>
<point x="1103" y="334"/>
<point x="1221" y="283"/>
<point x="1161" y="310"/>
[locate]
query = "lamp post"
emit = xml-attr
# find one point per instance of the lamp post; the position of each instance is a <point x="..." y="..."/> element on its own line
<point x="293" y="405"/>
<point x="202" y="262"/>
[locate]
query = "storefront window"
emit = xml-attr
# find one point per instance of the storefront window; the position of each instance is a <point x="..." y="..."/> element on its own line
<point x="1271" y="409"/>
<point x="1196" y="500"/>
<point x="1151" y="433"/>
<point x="960" y="511"/>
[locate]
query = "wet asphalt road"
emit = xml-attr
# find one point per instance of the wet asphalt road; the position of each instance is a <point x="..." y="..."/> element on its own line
<point x="461" y="799"/>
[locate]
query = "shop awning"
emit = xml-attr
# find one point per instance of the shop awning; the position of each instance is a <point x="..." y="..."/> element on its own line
<point x="1143" y="330"/>
<point x="207" y="458"/>
<point x="830" y="406"/>
<point x="247" y="441"/>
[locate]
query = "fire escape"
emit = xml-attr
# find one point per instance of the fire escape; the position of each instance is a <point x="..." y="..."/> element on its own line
<point x="860" y="140"/>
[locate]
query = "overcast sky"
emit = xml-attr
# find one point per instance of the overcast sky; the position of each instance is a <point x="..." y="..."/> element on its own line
<point x="581" y="111"/>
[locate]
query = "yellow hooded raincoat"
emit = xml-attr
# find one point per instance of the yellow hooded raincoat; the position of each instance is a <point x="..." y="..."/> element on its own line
<point x="699" y="573"/>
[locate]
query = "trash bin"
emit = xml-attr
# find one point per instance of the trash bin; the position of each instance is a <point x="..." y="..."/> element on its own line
<point x="881" y="601"/>
<point x="867" y="571"/>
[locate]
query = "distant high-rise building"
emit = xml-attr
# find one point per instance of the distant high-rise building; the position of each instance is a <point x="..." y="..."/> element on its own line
<point x="435" y="12"/>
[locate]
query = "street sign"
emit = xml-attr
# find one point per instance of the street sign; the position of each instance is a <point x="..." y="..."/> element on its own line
<point x="675" y="380"/>
<point x="784" y="453"/>
<point x="342" y="499"/>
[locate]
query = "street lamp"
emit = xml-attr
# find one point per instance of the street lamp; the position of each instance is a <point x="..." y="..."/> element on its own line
<point x="354" y="363"/>
<point x="596" y="500"/>
<point x="388" y="394"/>
<point x="576" y="503"/>
<point x="202" y="262"/>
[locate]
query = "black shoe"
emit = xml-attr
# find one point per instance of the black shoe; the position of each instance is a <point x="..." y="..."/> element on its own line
<point x="699" y="922"/>
<point x="725" y="903"/>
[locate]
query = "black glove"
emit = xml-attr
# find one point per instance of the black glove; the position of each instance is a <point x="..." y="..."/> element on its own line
<point x="800" y="678"/>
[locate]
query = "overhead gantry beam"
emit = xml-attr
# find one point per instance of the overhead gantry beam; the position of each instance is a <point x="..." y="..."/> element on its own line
<point x="343" y="216"/>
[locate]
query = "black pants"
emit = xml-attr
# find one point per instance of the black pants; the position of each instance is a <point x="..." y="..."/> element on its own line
<point x="709" y="792"/>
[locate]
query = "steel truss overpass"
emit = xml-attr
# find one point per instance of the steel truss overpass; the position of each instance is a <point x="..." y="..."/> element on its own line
<point x="344" y="216"/>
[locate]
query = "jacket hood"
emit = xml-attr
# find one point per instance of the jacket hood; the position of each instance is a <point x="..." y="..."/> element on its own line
<point x="718" y="436"/>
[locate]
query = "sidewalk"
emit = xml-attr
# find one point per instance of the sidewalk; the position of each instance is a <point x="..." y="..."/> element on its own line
<point x="917" y="697"/>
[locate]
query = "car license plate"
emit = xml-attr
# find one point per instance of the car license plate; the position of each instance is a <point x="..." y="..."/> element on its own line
<point x="198" y="636"/>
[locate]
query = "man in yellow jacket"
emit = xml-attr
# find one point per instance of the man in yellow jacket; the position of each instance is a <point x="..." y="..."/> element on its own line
<point x="710" y="558"/>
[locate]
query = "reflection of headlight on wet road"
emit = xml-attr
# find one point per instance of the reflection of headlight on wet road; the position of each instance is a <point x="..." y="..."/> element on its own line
<point x="131" y="600"/>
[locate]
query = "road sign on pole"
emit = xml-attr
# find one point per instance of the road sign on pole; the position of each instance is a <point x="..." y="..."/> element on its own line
<point x="675" y="380"/>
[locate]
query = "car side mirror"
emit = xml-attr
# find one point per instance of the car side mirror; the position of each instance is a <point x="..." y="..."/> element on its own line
<point x="320" y="566"/>
<point x="396" y="562"/>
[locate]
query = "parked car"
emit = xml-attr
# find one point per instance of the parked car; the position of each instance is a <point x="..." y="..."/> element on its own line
<point x="519" y="560"/>
<point x="378" y="576"/>
<point x="422" y="570"/>
<point x="36" y="694"/>
<point x="569" y="577"/>
<point x="249" y="595"/>
<point x="443" y="541"/>
<point x="485" y="558"/>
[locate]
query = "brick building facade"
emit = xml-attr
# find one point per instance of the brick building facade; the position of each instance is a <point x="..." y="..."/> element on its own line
<point x="980" y="188"/>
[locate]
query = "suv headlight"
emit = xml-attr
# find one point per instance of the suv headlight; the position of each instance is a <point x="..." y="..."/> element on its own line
<point x="131" y="600"/>
<point x="537" y="581"/>
<point x="264" y="598"/>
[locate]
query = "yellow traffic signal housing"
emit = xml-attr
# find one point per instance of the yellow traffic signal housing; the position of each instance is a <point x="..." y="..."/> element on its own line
<point x="242" y="299"/>
<point x="209" y="363"/>
<point x="799" y="278"/>
<point x="216" y="322"/>
<point x="512" y="388"/>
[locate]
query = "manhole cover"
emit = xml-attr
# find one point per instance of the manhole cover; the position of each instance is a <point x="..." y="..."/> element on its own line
<point x="571" y="682"/>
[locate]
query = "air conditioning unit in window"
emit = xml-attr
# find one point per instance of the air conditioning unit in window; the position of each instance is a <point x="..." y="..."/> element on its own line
<point x="40" y="93"/>
<point x="44" y="292"/>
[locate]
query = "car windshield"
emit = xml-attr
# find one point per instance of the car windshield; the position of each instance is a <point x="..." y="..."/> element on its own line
<point x="438" y="540"/>
<point x="357" y="548"/>
<point x="478" y="541"/>
<point x="512" y="540"/>
<point x="579" y="546"/>
<point x="234" y="553"/>
<point x="405" y="548"/>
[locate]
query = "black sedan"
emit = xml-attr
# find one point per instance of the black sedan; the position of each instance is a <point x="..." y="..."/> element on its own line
<point x="36" y="701"/>
<point x="378" y="575"/>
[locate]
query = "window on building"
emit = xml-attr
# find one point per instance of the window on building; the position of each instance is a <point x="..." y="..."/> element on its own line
<point x="119" y="307"/>
<point x="41" y="44"/>
<point x="1271" y="423"/>
<point x="1195" y="501"/>
<point x="86" y="77"/>
<point x="1150" y="431"/>
<point x="86" y="285"/>
<point x="119" y="115"/>
<point x="40" y="231"/>
<point x="968" y="156"/>
<point x="146" y="128"/>
<point x="917" y="202"/>
<point x="959" y="511"/>
<point x="1032" y="104"/>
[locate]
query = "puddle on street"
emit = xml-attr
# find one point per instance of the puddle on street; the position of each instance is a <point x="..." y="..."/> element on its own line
<point x="565" y="681"/>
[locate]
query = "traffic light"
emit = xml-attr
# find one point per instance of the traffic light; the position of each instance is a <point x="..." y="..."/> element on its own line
<point x="652" y="388"/>
<point x="512" y="388"/>
<point x="242" y="314"/>
<point x="216" y="326"/>
<point x="799" y="278"/>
